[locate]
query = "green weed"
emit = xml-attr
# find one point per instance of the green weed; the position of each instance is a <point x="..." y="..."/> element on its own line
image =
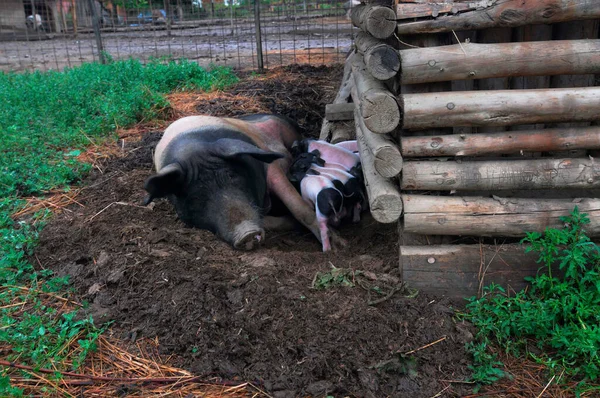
<point x="555" y="322"/>
<point x="45" y="121"/>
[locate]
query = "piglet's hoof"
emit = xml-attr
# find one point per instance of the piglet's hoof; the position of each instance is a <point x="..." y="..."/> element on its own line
<point x="250" y="240"/>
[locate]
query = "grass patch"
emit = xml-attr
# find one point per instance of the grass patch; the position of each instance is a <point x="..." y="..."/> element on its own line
<point x="557" y="321"/>
<point x="46" y="119"/>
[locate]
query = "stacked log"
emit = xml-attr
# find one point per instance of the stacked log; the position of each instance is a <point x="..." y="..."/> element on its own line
<point x="525" y="117"/>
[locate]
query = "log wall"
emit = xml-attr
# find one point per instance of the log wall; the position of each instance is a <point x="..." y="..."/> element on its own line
<point x="491" y="105"/>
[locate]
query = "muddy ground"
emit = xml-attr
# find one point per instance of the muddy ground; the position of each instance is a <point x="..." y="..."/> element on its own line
<point x="256" y="316"/>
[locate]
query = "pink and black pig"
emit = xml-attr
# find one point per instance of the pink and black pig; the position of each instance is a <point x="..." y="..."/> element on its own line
<point x="219" y="174"/>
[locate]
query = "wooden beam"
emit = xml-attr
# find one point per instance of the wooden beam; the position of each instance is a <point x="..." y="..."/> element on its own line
<point x="341" y="111"/>
<point x="378" y="107"/>
<point x="381" y="59"/>
<point x="493" y="175"/>
<point x="501" y="143"/>
<point x="500" y="107"/>
<point x="384" y="198"/>
<point x="478" y="216"/>
<point x="507" y="13"/>
<point x="379" y="21"/>
<point x="479" y="61"/>
<point x="386" y="155"/>
<point x="460" y="271"/>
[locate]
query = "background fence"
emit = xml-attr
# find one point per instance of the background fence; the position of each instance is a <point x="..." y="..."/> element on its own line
<point x="53" y="34"/>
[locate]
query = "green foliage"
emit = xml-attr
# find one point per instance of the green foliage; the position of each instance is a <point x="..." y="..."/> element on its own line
<point x="559" y="315"/>
<point x="46" y="121"/>
<point x="335" y="277"/>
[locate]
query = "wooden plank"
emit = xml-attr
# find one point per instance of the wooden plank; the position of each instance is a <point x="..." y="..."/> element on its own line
<point x="479" y="216"/>
<point x="384" y="198"/>
<point x="377" y="105"/>
<point x="460" y="271"/>
<point x="494" y="175"/>
<point x="387" y="159"/>
<point x="507" y="13"/>
<point x="499" y="107"/>
<point x="501" y="143"/>
<point x="379" y="21"/>
<point x="341" y="111"/>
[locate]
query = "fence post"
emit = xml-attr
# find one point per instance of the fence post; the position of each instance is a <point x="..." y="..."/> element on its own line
<point x="96" y="26"/>
<point x="259" y="54"/>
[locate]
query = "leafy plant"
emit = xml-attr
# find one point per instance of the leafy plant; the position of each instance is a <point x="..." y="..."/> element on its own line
<point x="335" y="277"/>
<point x="559" y="315"/>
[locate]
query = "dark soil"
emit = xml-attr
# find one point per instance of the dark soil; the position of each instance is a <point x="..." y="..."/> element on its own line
<point x="254" y="316"/>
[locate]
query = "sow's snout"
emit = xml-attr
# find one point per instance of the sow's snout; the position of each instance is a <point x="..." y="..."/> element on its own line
<point x="220" y="186"/>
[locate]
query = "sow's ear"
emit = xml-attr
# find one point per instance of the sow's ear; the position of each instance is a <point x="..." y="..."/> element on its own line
<point x="168" y="180"/>
<point x="228" y="148"/>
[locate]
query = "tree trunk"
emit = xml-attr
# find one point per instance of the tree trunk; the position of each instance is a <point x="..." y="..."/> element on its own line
<point x="502" y="143"/>
<point x="494" y="175"/>
<point x="500" y="108"/>
<point x="478" y="216"/>
<point x="509" y="13"/>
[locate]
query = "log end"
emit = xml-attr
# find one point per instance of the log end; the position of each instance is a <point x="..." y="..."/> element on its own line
<point x="380" y="111"/>
<point x="388" y="162"/>
<point x="383" y="62"/>
<point x="386" y="207"/>
<point x="381" y="22"/>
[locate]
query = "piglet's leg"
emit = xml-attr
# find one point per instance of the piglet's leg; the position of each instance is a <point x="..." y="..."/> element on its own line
<point x="302" y="211"/>
<point x="324" y="233"/>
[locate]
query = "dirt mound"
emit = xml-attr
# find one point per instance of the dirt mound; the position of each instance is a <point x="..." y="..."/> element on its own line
<point x="255" y="316"/>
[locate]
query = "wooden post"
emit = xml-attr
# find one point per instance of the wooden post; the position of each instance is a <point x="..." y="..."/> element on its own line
<point x="382" y="60"/>
<point x="259" y="53"/>
<point x="461" y="271"/>
<point x="384" y="199"/>
<point x="502" y="143"/>
<point x="387" y="159"/>
<point x="478" y="216"/>
<point x="96" y="26"/>
<point x="74" y="16"/>
<point x="378" y="107"/>
<point x="499" y="108"/>
<point x="379" y="21"/>
<point x="508" y="13"/>
<point x="493" y="175"/>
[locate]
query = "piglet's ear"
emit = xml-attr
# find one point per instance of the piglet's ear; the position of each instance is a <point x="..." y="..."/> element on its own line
<point x="167" y="181"/>
<point x="228" y="148"/>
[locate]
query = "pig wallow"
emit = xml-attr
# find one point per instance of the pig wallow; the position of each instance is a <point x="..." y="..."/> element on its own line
<point x="219" y="174"/>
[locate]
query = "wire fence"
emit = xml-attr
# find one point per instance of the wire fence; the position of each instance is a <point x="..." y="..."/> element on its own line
<point x="54" y="34"/>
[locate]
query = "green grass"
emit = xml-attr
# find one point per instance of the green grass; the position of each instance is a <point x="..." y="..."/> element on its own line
<point x="46" y="119"/>
<point x="557" y="321"/>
